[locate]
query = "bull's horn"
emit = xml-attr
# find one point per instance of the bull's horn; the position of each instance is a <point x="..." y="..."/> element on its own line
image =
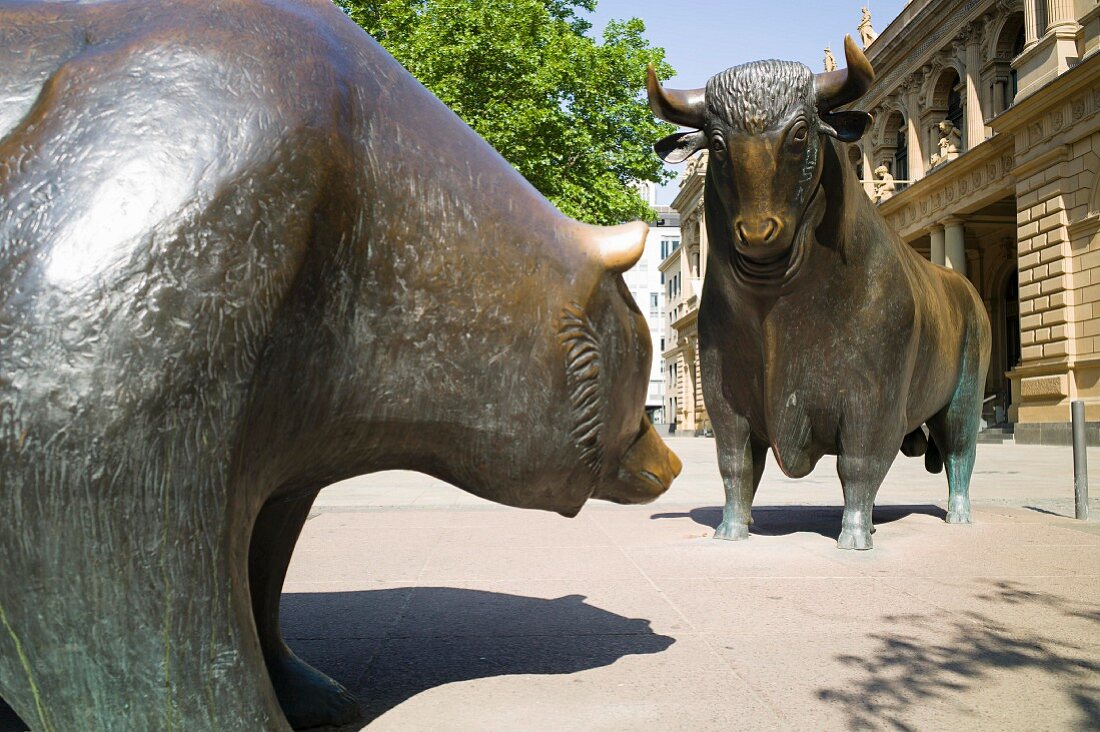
<point x="680" y="107"/>
<point x="837" y="88"/>
<point x="619" y="247"/>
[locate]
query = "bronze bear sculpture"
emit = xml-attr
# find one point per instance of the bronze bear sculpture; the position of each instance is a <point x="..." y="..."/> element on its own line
<point x="820" y="330"/>
<point x="243" y="255"/>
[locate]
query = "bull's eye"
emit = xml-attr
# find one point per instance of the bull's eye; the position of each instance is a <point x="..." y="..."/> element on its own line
<point x="718" y="147"/>
<point x="799" y="133"/>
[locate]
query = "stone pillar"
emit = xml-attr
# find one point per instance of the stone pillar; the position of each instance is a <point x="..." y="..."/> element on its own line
<point x="1031" y="23"/>
<point x="999" y="94"/>
<point x="975" y="119"/>
<point x="868" y="169"/>
<point x="704" y="244"/>
<point x="1060" y="14"/>
<point x="955" y="245"/>
<point x="937" y="254"/>
<point x="913" y="137"/>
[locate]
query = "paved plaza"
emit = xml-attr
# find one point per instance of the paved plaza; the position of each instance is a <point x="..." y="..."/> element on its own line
<point x="442" y="611"/>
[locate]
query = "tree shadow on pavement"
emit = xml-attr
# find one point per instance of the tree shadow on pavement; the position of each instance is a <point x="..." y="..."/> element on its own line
<point x="786" y="520"/>
<point x="387" y="646"/>
<point x="908" y="671"/>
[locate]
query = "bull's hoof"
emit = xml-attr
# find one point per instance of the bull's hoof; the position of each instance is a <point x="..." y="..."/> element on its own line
<point x="309" y="698"/>
<point x="958" y="511"/>
<point x="849" y="539"/>
<point x="732" y="531"/>
<point x="958" y="517"/>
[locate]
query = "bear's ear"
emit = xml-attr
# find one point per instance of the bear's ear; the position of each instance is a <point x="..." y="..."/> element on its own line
<point x="679" y="147"/>
<point x="846" y="126"/>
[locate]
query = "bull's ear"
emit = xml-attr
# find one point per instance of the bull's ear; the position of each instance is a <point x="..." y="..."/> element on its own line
<point x="846" y="126"/>
<point x="679" y="147"/>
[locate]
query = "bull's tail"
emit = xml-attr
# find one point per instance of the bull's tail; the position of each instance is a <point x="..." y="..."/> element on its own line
<point x="917" y="443"/>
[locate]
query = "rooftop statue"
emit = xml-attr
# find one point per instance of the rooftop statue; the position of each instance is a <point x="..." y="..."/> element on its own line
<point x="867" y="34"/>
<point x="830" y="60"/>
<point x="820" y="330"/>
<point x="244" y="255"/>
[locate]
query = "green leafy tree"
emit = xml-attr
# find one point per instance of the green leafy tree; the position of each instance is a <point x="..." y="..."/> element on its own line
<point x="568" y="111"/>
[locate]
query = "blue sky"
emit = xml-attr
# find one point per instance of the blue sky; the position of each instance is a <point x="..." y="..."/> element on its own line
<point x="704" y="37"/>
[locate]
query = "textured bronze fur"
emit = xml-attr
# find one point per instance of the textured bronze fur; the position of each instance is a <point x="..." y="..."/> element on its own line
<point x="244" y="255"/>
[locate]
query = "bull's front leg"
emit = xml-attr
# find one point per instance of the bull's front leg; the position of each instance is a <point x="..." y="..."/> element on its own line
<point x="740" y="459"/>
<point x="741" y="463"/>
<point x="861" y="474"/>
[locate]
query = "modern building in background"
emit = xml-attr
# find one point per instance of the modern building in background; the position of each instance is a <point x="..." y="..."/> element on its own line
<point x="987" y="117"/>
<point x="683" y="267"/>
<point x="647" y="287"/>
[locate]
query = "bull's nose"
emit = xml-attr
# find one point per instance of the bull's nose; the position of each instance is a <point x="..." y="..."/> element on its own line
<point x="756" y="232"/>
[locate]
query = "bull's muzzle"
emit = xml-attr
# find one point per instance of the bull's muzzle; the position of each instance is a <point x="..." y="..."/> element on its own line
<point x="646" y="471"/>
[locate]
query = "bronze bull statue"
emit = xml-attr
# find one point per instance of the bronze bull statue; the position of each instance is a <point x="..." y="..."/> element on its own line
<point x="820" y="330"/>
<point x="243" y="255"/>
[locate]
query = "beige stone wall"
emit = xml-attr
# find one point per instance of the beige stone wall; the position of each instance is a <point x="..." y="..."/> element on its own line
<point x="1058" y="148"/>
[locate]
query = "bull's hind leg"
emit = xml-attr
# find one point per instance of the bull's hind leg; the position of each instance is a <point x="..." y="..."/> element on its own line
<point x="955" y="432"/>
<point x="308" y="697"/>
<point x="954" y="429"/>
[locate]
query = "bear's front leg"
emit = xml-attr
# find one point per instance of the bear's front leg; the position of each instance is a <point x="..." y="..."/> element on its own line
<point x="308" y="697"/>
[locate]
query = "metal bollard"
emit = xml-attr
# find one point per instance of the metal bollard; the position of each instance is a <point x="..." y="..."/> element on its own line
<point x="1080" y="462"/>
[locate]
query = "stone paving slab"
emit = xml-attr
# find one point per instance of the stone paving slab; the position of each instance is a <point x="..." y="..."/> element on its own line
<point x="982" y="627"/>
<point x="439" y="610"/>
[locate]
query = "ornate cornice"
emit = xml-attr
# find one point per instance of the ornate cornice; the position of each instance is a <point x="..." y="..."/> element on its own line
<point x="937" y="37"/>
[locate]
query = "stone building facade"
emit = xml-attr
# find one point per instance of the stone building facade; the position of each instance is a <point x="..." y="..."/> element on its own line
<point x="1015" y="205"/>
<point x="683" y="269"/>
<point x="1007" y="192"/>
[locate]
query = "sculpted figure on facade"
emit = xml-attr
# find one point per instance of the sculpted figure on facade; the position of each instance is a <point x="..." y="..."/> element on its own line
<point x="949" y="143"/>
<point x="236" y="271"/>
<point x="820" y="330"/>
<point x="884" y="185"/>
<point x="830" y="60"/>
<point x="866" y="33"/>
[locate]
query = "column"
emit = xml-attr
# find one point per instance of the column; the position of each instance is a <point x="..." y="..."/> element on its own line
<point x="975" y="120"/>
<point x="937" y="255"/>
<point x="999" y="93"/>
<point x="955" y="245"/>
<point x="868" y="169"/>
<point x="1031" y="23"/>
<point x="1060" y="14"/>
<point x="1062" y="28"/>
<point x="913" y="137"/>
<point x="704" y="243"/>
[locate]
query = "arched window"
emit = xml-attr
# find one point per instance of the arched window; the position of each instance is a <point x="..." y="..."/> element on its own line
<point x="901" y="154"/>
<point x="1017" y="49"/>
<point x="955" y="105"/>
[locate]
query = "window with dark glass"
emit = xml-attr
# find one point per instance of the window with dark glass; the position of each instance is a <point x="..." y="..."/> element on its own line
<point x="1017" y="49"/>
<point x="955" y="108"/>
<point x="901" y="155"/>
